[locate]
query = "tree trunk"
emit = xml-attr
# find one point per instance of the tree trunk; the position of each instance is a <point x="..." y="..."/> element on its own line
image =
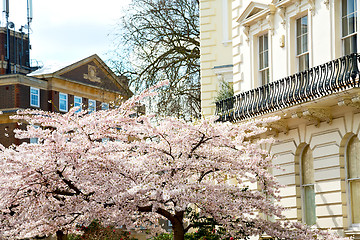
<point x="178" y="230"/>
<point x="60" y="235"/>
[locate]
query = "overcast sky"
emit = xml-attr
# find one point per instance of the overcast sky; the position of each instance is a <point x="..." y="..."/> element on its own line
<point x="65" y="31"/>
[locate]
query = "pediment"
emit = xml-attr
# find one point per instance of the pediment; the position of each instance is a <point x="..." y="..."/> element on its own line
<point x="91" y="71"/>
<point x="253" y="9"/>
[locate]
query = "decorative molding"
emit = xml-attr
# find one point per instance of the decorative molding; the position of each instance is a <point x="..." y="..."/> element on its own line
<point x="282" y="14"/>
<point x="318" y="115"/>
<point x="270" y="20"/>
<point x="246" y="31"/>
<point x="312" y="6"/>
<point x="279" y="126"/>
<point x="327" y="4"/>
<point x="297" y="5"/>
<point x="315" y="115"/>
<point x="92" y="74"/>
<point x="351" y="102"/>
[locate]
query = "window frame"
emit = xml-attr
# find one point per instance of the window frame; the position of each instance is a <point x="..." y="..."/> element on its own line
<point x="261" y="54"/>
<point x="93" y="103"/>
<point x="80" y="103"/>
<point x="104" y="106"/>
<point x="348" y="36"/>
<point x="66" y="102"/>
<point x="38" y="97"/>
<point x="348" y="180"/>
<point x="297" y="42"/>
<point x="304" y="186"/>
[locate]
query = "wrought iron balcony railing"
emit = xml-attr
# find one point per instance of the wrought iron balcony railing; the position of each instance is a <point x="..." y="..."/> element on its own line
<point x="326" y="79"/>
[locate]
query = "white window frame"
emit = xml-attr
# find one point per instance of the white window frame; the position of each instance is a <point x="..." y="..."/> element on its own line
<point x="66" y="102"/>
<point x="343" y="38"/>
<point x="297" y="36"/>
<point x="93" y="103"/>
<point x="79" y="102"/>
<point x="354" y="226"/>
<point x="303" y="186"/>
<point x="35" y="94"/>
<point x="104" y="106"/>
<point x="267" y="68"/>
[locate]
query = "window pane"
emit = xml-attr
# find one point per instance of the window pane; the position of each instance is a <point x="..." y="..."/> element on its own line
<point x="34" y="97"/>
<point x="304" y="62"/>
<point x="298" y="47"/>
<point x="345" y="31"/>
<point x="261" y="44"/>
<point x="62" y="102"/>
<point x="352" y="23"/>
<point x="92" y="106"/>
<point x="266" y="59"/>
<point x="355" y="201"/>
<point x="78" y="103"/>
<point x="354" y="158"/>
<point x="304" y="25"/>
<point x="266" y="47"/>
<point x="344" y="7"/>
<point x="307" y="166"/>
<point x="104" y="106"/>
<point x="261" y="62"/>
<point x="350" y="6"/>
<point x="265" y="76"/>
<point x="304" y="43"/>
<point x="298" y="27"/>
<point x="310" y="214"/>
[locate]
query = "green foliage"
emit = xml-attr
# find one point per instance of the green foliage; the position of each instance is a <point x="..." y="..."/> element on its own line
<point x="163" y="236"/>
<point x="226" y="90"/>
<point x="95" y="231"/>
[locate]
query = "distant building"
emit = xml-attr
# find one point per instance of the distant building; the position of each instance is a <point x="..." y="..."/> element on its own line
<point x="17" y="50"/>
<point x="88" y="83"/>
<point x="298" y="60"/>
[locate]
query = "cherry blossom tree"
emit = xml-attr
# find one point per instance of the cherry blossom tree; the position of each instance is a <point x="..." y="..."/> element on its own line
<point x="132" y="171"/>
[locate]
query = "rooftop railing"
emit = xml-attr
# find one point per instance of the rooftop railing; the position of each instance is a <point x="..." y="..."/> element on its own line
<point x="323" y="80"/>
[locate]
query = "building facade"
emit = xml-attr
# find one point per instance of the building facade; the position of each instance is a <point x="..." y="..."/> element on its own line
<point x="297" y="59"/>
<point x="88" y="83"/>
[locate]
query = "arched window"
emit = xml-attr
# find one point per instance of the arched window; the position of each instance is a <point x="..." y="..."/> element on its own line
<point x="353" y="179"/>
<point x="307" y="185"/>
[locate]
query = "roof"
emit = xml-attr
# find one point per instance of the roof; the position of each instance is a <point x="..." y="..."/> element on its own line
<point x="88" y="71"/>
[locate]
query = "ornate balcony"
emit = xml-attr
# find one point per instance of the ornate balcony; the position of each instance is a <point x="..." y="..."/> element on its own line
<point x="329" y="78"/>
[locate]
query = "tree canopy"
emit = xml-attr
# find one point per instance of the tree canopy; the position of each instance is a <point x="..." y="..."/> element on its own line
<point x="131" y="171"/>
<point x="160" y="40"/>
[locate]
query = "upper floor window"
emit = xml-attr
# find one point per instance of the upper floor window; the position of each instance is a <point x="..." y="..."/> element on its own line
<point x="78" y="103"/>
<point x="353" y="180"/>
<point x="307" y="185"/>
<point x="264" y="59"/>
<point x="91" y="106"/>
<point x="349" y="26"/>
<point x="34" y="97"/>
<point x="104" y="106"/>
<point x="63" y="102"/>
<point x="302" y="51"/>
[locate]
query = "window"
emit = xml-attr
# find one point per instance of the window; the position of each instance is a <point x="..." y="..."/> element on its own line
<point x="34" y="97"/>
<point x="264" y="59"/>
<point x="63" y="102"/>
<point x="78" y="103"/>
<point x="353" y="179"/>
<point x="307" y="185"/>
<point x="92" y="106"/>
<point x="349" y="26"/>
<point x="302" y="52"/>
<point x="105" y="106"/>
<point x="34" y="140"/>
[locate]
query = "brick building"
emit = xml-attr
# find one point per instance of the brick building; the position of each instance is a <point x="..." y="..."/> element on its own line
<point x="88" y="82"/>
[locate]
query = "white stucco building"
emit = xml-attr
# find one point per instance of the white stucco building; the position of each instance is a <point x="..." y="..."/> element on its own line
<point x="296" y="59"/>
